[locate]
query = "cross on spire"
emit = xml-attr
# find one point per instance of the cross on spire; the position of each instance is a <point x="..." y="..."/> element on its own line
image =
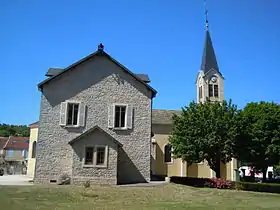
<point x="206" y="16"/>
<point x="209" y="60"/>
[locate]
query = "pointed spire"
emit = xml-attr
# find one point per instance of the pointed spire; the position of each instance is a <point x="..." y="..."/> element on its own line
<point x="209" y="60"/>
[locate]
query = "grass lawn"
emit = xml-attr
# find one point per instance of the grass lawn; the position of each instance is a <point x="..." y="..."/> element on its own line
<point x="169" y="196"/>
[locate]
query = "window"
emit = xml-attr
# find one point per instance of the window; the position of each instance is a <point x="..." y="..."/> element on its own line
<point x="24" y="153"/>
<point x="210" y="89"/>
<point x="89" y="156"/>
<point x="200" y="92"/>
<point x="72" y="113"/>
<point x="95" y="156"/>
<point x="167" y="153"/>
<point x="33" y="154"/>
<point x="100" y="156"/>
<point x="10" y="153"/>
<point x="216" y="91"/>
<point x="120" y="114"/>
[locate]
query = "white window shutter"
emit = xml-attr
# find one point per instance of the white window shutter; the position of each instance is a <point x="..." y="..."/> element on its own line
<point x="129" y="116"/>
<point x="82" y="114"/>
<point x="63" y="115"/>
<point x="111" y="116"/>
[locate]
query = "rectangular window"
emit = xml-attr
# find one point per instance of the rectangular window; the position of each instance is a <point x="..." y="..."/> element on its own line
<point x="100" y="156"/>
<point x="120" y="114"/>
<point x="72" y="113"/>
<point x="216" y="91"/>
<point x="89" y="156"/>
<point x="95" y="156"/>
<point x="210" y="89"/>
<point x="200" y="93"/>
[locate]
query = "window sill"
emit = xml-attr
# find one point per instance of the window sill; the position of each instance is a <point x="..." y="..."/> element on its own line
<point x="120" y="129"/>
<point x="169" y="163"/>
<point x="71" y="126"/>
<point x="94" y="166"/>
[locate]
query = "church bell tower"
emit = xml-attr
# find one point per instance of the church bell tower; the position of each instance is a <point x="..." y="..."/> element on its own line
<point x="209" y="82"/>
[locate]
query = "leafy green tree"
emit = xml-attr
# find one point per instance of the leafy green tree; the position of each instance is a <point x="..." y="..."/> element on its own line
<point x="13" y="130"/>
<point x="206" y="131"/>
<point x="260" y="145"/>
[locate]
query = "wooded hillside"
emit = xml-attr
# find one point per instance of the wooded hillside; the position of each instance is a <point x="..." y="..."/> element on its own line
<point x="13" y="130"/>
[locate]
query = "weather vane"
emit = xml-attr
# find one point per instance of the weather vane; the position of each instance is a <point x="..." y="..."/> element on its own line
<point x="206" y="15"/>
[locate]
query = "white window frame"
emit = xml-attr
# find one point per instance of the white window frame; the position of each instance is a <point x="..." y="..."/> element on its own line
<point x="94" y="165"/>
<point x="125" y="117"/>
<point x="66" y="114"/>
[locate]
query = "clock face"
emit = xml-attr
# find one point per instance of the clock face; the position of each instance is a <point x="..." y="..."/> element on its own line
<point x="214" y="79"/>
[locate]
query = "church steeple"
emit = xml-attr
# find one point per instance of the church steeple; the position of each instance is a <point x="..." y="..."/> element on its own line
<point x="209" y="60"/>
<point x="209" y="81"/>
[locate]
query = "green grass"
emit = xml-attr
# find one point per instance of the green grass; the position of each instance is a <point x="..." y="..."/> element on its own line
<point x="169" y="196"/>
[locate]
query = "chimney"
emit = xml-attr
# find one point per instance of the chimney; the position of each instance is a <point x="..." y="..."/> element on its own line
<point x="100" y="47"/>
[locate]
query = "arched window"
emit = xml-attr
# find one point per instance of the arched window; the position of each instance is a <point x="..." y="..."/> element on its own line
<point x="167" y="153"/>
<point x="33" y="155"/>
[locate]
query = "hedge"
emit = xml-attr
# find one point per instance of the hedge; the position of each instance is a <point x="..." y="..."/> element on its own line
<point x="257" y="187"/>
<point x="224" y="184"/>
<point x="202" y="182"/>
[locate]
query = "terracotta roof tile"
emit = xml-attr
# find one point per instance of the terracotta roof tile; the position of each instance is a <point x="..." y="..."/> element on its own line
<point x="15" y="142"/>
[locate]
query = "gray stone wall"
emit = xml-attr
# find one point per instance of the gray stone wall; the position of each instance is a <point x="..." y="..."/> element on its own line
<point x="100" y="175"/>
<point x="98" y="83"/>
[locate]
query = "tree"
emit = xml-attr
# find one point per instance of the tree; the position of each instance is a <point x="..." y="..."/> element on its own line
<point x="206" y="131"/>
<point x="13" y="130"/>
<point x="260" y="145"/>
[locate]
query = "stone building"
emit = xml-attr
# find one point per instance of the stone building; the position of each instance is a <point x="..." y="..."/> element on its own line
<point x="96" y="121"/>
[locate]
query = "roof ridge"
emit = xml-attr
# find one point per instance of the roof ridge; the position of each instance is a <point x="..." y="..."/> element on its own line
<point x="98" y="52"/>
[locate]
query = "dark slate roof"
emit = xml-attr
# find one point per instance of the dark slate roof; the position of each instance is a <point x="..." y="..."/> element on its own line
<point x="209" y="60"/>
<point x="53" y="71"/>
<point x="97" y="53"/>
<point x="160" y="116"/>
<point x="144" y="77"/>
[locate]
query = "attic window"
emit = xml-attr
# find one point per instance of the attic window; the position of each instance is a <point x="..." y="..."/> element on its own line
<point x="72" y="113"/>
<point x="120" y="115"/>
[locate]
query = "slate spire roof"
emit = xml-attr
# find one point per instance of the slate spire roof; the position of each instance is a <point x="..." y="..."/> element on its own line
<point x="209" y="60"/>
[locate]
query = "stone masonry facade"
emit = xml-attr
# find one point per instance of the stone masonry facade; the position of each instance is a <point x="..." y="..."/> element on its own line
<point x="98" y="83"/>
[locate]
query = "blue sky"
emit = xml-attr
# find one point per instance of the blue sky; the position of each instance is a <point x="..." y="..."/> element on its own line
<point x="162" y="38"/>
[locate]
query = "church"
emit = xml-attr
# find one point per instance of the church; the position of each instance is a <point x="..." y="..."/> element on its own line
<point x="79" y="136"/>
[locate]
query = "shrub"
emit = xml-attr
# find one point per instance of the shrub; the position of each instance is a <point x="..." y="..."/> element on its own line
<point x="257" y="187"/>
<point x="190" y="181"/>
<point x="202" y="182"/>
<point x="219" y="183"/>
<point x="64" y="179"/>
<point x="87" y="184"/>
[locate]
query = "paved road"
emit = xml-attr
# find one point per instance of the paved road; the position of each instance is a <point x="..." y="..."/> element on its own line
<point x="15" y="180"/>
